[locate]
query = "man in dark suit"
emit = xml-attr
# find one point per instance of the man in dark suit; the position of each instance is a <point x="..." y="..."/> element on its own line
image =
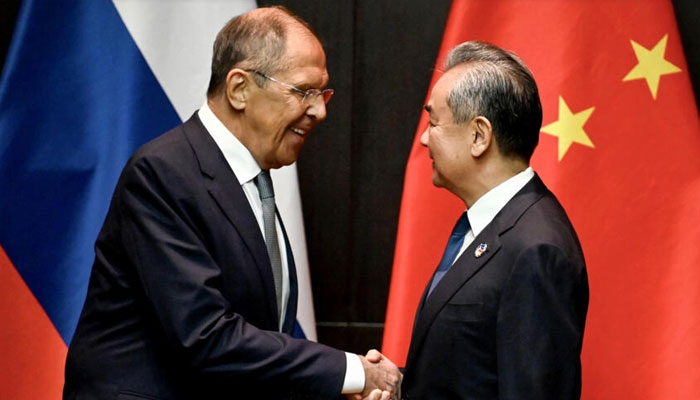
<point x="193" y="289"/>
<point x="503" y="315"/>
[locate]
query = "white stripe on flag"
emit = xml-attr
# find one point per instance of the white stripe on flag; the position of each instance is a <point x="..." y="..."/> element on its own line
<point x="176" y="38"/>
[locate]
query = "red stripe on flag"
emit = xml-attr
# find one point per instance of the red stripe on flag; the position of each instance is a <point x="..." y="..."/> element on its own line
<point x="632" y="196"/>
<point x="32" y="352"/>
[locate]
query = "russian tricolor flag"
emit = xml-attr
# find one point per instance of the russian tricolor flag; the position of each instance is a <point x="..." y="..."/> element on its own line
<point x="84" y="84"/>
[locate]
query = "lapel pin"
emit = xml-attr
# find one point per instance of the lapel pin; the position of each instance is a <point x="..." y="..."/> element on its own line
<point x="480" y="250"/>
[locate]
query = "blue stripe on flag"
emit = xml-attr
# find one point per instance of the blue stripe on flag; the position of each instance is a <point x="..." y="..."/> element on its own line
<point x="76" y="99"/>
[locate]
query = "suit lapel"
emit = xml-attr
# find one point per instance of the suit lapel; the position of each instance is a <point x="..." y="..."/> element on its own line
<point x="461" y="271"/>
<point x="228" y="194"/>
<point x="468" y="264"/>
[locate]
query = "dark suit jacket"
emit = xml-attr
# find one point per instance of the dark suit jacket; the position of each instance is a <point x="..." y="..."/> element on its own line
<point x="181" y="301"/>
<point x="508" y="324"/>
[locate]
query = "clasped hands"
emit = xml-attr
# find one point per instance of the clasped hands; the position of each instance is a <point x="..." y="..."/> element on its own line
<point x="382" y="378"/>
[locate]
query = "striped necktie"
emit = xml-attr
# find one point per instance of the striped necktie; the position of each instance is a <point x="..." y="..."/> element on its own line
<point x="267" y="197"/>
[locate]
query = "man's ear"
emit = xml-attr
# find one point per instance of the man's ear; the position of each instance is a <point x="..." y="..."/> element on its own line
<point x="238" y="85"/>
<point x="481" y="136"/>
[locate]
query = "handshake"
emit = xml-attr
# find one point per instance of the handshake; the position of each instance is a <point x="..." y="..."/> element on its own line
<point x="382" y="378"/>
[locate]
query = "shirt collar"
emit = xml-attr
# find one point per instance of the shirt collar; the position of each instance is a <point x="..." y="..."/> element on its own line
<point x="236" y="154"/>
<point x="484" y="210"/>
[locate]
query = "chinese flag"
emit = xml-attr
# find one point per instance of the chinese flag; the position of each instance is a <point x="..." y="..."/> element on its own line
<point x="620" y="147"/>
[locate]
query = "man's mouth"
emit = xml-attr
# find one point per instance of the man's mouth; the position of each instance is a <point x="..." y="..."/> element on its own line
<point x="298" y="131"/>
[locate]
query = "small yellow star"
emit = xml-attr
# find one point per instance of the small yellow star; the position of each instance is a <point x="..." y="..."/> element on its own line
<point x="569" y="128"/>
<point x="651" y="65"/>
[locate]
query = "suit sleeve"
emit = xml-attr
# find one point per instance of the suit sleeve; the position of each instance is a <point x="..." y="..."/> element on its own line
<point x="540" y="326"/>
<point x="181" y="282"/>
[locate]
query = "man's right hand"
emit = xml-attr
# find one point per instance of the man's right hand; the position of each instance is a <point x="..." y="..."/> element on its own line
<point x="382" y="374"/>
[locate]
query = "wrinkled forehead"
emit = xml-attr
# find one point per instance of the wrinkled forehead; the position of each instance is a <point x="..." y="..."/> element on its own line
<point x="304" y="56"/>
<point x="303" y="45"/>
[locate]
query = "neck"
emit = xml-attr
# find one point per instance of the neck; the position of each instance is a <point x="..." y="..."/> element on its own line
<point x="224" y="114"/>
<point x="235" y="124"/>
<point x="488" y="176"/>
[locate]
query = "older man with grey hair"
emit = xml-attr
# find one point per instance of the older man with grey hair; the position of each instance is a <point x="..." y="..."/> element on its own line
<point x="504" y="313"/>
<point x="193" y="290"/>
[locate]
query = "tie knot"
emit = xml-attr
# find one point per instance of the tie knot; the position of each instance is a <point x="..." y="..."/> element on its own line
<point x="462" y="225"/>
<point x="264" y="183"/>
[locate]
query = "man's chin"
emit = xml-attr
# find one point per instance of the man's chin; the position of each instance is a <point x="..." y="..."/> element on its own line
<point x="286" y="159"/>
<point x="437" y="180"/>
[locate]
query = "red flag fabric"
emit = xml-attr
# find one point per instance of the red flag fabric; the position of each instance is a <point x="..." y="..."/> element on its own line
<point x="620" y="147"/>
<point x="33" y="352"/>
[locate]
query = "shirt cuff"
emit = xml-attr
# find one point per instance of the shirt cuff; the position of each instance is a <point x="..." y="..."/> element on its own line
<point x="354" y="374"/>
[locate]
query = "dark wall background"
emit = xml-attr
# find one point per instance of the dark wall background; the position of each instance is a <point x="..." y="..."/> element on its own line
<point x="380" y="58"/>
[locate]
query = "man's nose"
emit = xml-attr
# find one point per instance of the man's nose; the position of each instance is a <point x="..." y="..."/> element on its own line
<point x="317" y="109"/>
<point x="424" y="137"/>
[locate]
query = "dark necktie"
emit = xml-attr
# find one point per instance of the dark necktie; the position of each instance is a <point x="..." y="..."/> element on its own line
<point x="453" y="246"/>
<point x="267" y="197"/>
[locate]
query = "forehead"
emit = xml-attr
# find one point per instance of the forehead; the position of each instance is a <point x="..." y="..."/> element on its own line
<point x="437" y="104"/>
<point x="305" y="58"/>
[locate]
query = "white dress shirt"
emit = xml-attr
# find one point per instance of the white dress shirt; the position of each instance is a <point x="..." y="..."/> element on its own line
<point x="484" y="210"/>
<point x="245" y="168"/>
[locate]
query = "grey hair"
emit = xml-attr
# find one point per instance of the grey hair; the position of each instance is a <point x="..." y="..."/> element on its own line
<point x="252" y="41"/>
<point x="500" y="87"/>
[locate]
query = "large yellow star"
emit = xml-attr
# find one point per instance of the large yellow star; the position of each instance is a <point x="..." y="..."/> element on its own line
<point x="651" y="65"/>
<point x="569" y="128"/>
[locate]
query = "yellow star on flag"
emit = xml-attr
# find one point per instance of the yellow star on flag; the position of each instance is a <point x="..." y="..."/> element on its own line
<point x="651" y="65"/>
<point x="569" y="128"/>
